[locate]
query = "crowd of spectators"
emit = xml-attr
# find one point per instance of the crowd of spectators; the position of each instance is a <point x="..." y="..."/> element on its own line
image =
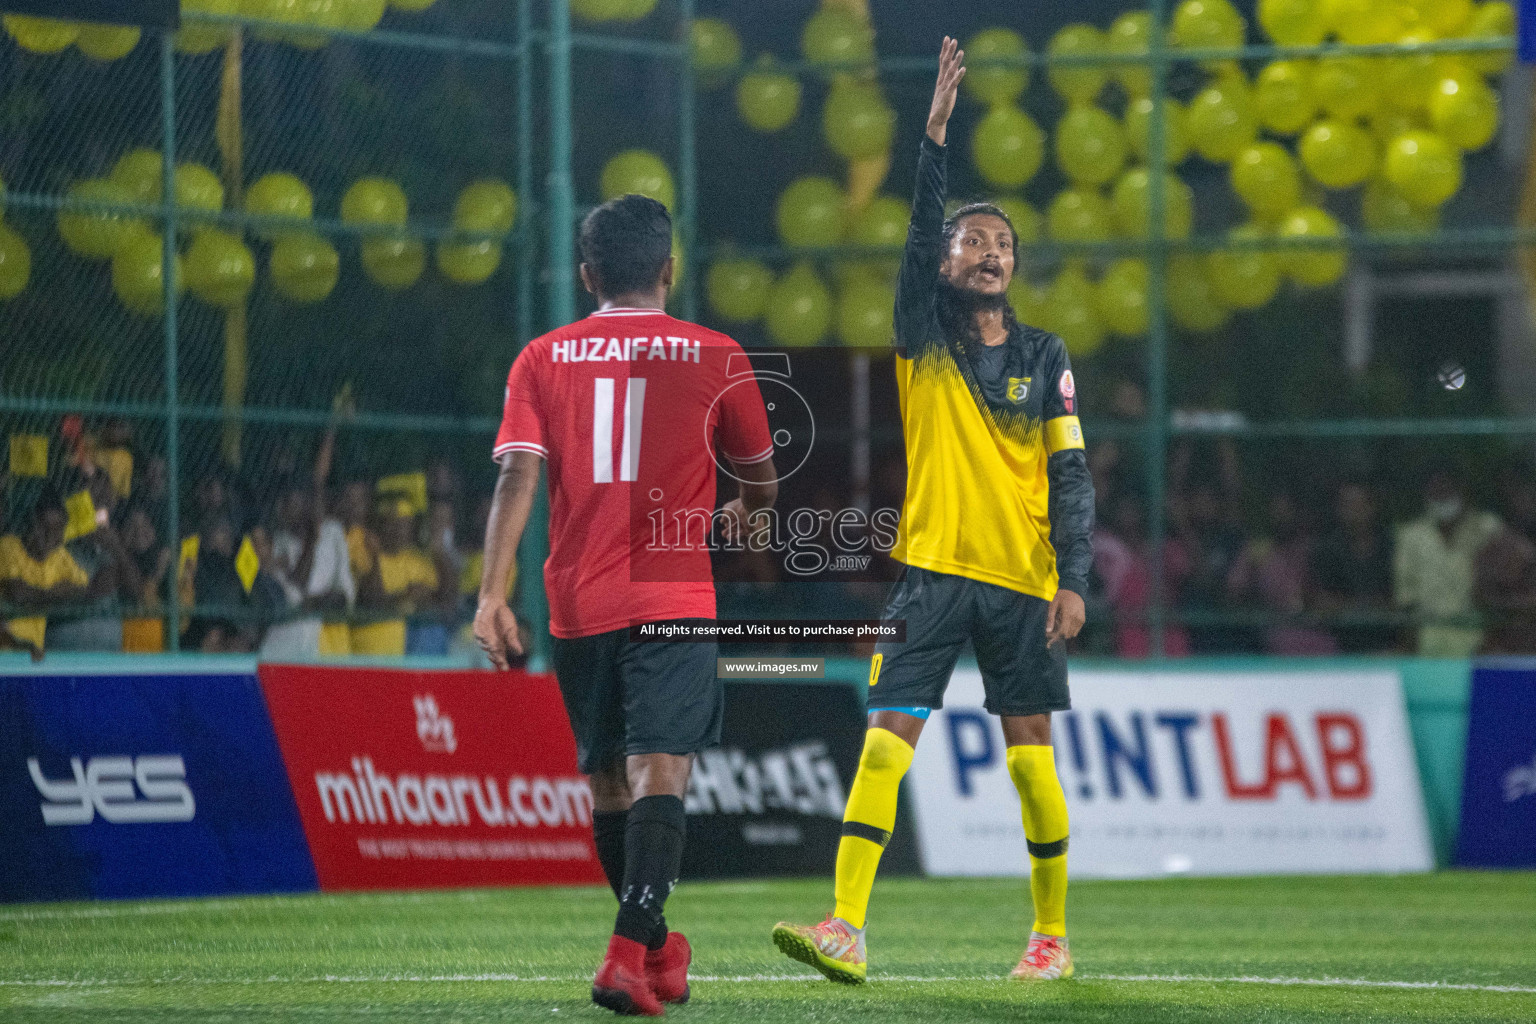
<point x="303" y="567"/>
<point x="308" y="563"/>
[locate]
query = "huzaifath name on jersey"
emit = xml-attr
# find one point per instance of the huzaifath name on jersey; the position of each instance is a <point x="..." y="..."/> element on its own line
<point x="628" y="350"/>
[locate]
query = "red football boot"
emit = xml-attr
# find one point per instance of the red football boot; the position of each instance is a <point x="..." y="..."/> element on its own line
<point x="667" y="969"/>
<point x="621" y="984"/>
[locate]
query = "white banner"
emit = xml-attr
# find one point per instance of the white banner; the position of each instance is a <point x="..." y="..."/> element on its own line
<point x="1202" y="773"/>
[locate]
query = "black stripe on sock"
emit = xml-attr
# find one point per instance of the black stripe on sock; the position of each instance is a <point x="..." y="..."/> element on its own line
<point x="858" y="829"/>
<point x="1045" y="851"/>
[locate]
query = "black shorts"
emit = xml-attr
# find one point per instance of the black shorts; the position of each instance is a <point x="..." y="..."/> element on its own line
<point x="1021" y="675"/>
<point x="624" y="697"/>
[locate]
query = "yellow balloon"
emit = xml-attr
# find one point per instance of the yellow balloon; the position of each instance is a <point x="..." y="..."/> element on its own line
<point x="1365" y="22"/>
<point x="138" y="273"/>
<point x="1000" y="83"/>
<point x="40" y="35"/>
<point x="304" y="267"/>
<point x="1192" y="301"/>
<point x="1294" y="22"/>
<point x="1121" y="297"/>
<point x="637" y="9"/>
<point x="1028" y="301"/>
<point x="1132" y="204"/>
<point x="866" y="313"/>
<point x="1207" y="25"/>
<point x="197" y="38"/>
<point x="812" y="211"/>
<point x="107" y="42"/>
<point x="1312" y="267"/>
<point x="1265" y="176"/>
<point x="738" y="289"/>
<point x="1442" y="17"/>
<point x="715" y="48"/>
<point x="768" y="100"/>
<point x="468" y="263"/>
<point x="857" y="122"/>
<point x="1385" y="211"/>
<point x="1071" y="312"/>
<point x="1338" y="154"/>
<point x="638" y="172"/>
<point x="360" y="15"/>
<point x="487" y="205"/>
<point x="1492" y="20"/>
<point x="279" y="194"/>
<point x="1284" y="98"/>
<point x="882" y="223"/>
<point x="282" y="11"/>
<point x="374" y="201"/>
<point x="321" y="13"/>
<point x="1222" y="121"/>
<point x="1423" y="167"/>
<point x="599" y="10"/>
<point x="799" y="308"/>
<point x="142" y="173"/>
<point x="1138" y="129"/>
<point x="1244" y="278"/>
<point x="1386" y="125"/>
<point x="1090" y="146"/>
<point x="394" y="263"/>
<point x="1008" y="147"/>
<point x="837" y="39"/>
<point x="220" y="268"/>
<point x="1078" y="83"/>
<point x="1130" y="36"/>
<point x="1346" y="87"/>
<point x="1079" y="215"/>
<point x="1026" y="220"/>
<point x="15" y="263"/>
<point x="1465" y="111"/>
<point x="97" y="234"/>
<point x="1406" y="81"/>
<point x="198" y="188"/>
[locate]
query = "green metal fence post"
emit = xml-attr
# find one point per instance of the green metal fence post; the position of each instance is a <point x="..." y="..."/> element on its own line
<point x="527" y="259"/>
<point x="1157" y="333"/>
<point x="172" y="369"/>
<point x="687" y="169"/>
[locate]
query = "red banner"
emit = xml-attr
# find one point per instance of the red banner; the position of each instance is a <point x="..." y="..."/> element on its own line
<point x="410" y="780"/>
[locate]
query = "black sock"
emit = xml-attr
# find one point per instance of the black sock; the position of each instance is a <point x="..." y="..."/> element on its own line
<point x="608" y="834"/>
<point x="653" y="856"/>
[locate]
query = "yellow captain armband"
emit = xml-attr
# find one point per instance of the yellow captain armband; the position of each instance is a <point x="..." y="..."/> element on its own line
<point x="1062" y="433"/>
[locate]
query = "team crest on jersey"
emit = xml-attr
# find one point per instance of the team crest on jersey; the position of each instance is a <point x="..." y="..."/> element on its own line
<point x="1018" y="389"/>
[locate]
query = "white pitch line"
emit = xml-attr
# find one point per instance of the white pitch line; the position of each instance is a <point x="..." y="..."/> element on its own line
<point x="436" y="979"/>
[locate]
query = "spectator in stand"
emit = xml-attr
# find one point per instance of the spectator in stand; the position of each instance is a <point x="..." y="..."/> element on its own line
<point x="38" y="576"/>
<point x="355" y="506"/>
<point x="1120" y="561"/>
<point x="220" y="623"/>
<point x="1352" y="571"/>
<point x="100" y="551"/>
<point x="311" y="564"/>
<point x="1274" y="573"/>
<point x="1504" y="593"/>
<point x="1517" y="488"/>
<point x="1205" y="518"/>
<point x="145" y="633"/>
<point x="1432" y="574"/>
<point x="403" y="581"/>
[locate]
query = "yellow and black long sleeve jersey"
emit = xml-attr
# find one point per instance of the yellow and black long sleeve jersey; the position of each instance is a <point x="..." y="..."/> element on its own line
<point x="998" y="488"/>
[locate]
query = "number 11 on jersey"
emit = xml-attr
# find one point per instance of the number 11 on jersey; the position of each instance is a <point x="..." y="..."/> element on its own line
<point x="603" y="409"/>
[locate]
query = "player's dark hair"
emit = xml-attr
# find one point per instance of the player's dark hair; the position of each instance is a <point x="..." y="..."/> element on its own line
<point x="625" y="243"/>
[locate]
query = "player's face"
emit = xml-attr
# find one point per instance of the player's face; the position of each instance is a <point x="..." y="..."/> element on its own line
<point x="980" y="259"/>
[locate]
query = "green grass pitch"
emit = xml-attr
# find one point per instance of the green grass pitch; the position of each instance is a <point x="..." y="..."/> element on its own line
<point x="1450" y="947"/>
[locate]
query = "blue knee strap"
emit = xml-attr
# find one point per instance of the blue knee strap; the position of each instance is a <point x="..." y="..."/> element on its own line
<point x="922" y="713"/>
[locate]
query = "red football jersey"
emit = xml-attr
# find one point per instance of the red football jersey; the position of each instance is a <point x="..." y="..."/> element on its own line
<point x="628" y="408"/>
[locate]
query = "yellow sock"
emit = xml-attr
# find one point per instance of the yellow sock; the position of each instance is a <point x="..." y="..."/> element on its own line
<point x="1033" y="769"/>
<point x="868" y="820"/>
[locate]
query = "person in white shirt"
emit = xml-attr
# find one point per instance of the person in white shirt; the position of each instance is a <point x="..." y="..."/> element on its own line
<point x="311" y="563"/>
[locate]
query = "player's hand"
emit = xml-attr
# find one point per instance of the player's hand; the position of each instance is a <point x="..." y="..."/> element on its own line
<point x="1065" y="617"/>
<point x="733" y="521"/>
<point x="951" y="70"/>
<point x="496" y="633"/>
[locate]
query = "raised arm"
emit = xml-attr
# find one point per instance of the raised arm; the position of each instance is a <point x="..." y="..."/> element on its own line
<point x="925" y="236"/>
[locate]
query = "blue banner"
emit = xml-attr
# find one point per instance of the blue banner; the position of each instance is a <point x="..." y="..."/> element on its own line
<point x="1525" y="30"/>
<point x="118" y="786"/>
<point x="1498" y="801"/>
